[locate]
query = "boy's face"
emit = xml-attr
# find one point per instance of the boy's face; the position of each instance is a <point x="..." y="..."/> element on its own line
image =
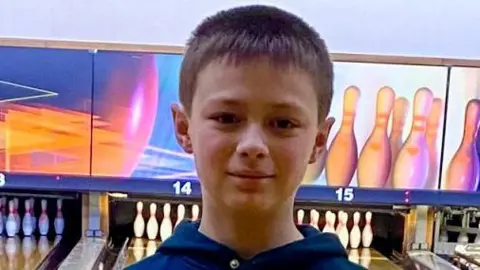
<point x="253" y="130"/>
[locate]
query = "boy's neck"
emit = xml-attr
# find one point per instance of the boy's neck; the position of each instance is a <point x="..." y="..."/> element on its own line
<point x="251" y="234"/>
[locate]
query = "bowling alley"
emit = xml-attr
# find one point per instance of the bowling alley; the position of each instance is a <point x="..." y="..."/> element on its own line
<point x="242" y="135"/>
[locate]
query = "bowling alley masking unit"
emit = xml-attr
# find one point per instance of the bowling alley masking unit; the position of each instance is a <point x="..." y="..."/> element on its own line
<point x="411" y="126"/>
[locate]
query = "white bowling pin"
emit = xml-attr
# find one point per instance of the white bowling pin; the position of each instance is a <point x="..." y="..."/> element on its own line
<point x="59" y="222"/>
<point x="139" y="223"/>
<point x="180" y="214"/>
<point x="34" y="219"/>
<point x="342" y="152"/>
<point x="27" y="222"/>
<point x="355" y="233"/>
<point x="411" y="167"/>
<point x="375" y="158"/>
<point x="11" y="224"/>
<point x="152" y="224"/>
<point x="17" y="216"/>
<point x="195" y="212"/>
<point x="367" y="233"/>
<point x="329" y="222"/>
<point x="300" y="216"/>
<point x="43" y="221"/>
<point x="166" y="227"/>
<point x="463" y="171"/>
<point x="399" y="115"/>
<point x="314" y="217"/>
<point x="342" y="230"/>
<point x="433" y="124"/>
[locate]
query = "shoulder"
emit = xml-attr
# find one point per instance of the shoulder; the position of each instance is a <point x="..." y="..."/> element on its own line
<point x="155" y="261"/>
<point x="160" y="261"/>
<point x="337" y="264"/>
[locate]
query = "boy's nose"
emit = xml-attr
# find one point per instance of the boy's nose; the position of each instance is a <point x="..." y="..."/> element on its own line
<point x="252" y="145"/>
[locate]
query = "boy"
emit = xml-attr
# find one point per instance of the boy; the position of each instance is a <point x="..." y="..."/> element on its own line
<point x="255" y="88"/>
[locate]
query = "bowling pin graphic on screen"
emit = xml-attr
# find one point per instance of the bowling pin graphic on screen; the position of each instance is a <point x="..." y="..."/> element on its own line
<point x="463" y="170"/>
<point x="375" y="158"/>
<point x="412" y="165"/>
<point x="399" y="116"/>
<point x="342" y="152"/>
<point x="433" y="124"/>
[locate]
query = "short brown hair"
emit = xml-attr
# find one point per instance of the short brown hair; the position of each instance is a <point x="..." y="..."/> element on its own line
<point x="247" y="33"/>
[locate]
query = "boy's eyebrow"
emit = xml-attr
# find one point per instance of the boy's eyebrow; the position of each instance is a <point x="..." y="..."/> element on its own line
<point x="284" y="105"/>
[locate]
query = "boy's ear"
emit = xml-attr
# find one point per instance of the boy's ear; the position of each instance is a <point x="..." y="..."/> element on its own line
<point x="181" y="125"/>
<point x="321" y="139"/>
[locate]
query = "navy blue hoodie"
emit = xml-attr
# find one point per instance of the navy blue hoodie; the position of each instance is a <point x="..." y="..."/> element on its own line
<point x="187" y="248"/>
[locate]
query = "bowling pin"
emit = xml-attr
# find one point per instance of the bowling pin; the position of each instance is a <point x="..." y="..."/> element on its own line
<point x="300" y="216"/>
<point x="411" y="167"/>
<point x="463" y="171"/>
<point x="375" y="158"/>
<point x="11" y="224"/>
<point x="399" y="116"/>
<point x="43" y="221"/>
<point x="166" y="226"/>
<point x="59" y="222"/>
<point x="314" y="217"/>
<point x="367" y="233"/>
<point x="342" y="152"/>
<point x="342" y="230"/>
<point x="355" y="233"/>
<point x="139" y="223"/>
<point x="17" y="216"/>
<point x="180" y="214"/>
<point x="329" y="222"/>
<point x="152" y="224"/>
<point x="27" y="222"/>
<point x="433" y="124"/>
<point x="34" y="219"/>
<point x="195" y="212"/>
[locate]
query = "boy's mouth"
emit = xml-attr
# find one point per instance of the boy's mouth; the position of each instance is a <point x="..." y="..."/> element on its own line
<point x="250" y="174"/>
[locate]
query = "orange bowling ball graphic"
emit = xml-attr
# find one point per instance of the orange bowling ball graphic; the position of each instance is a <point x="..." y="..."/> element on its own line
<point x="125" y="106"/>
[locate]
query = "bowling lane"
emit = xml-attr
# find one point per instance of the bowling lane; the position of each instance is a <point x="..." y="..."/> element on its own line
<point x="140" y="248"/>
<point x="26" y="253"/>
<point x="371" y="259"/>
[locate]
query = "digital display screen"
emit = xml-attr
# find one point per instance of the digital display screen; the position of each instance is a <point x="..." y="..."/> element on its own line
<point x="108" y="114"/>
<point x="45" y="110"/>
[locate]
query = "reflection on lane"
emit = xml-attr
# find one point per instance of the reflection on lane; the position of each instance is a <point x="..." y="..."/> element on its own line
<point x="140" y="249"/>
<point x="26" y="253"/>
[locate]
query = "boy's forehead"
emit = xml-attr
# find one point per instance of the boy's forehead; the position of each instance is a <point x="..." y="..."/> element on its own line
<point x="226" y="84"/>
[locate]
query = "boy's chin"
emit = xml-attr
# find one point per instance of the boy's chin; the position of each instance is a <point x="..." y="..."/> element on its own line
<point x="251" y="204"/>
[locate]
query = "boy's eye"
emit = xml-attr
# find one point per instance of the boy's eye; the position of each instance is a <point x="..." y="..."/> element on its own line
<point x="226" y="118"/>
<point x="283" y="124"/>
